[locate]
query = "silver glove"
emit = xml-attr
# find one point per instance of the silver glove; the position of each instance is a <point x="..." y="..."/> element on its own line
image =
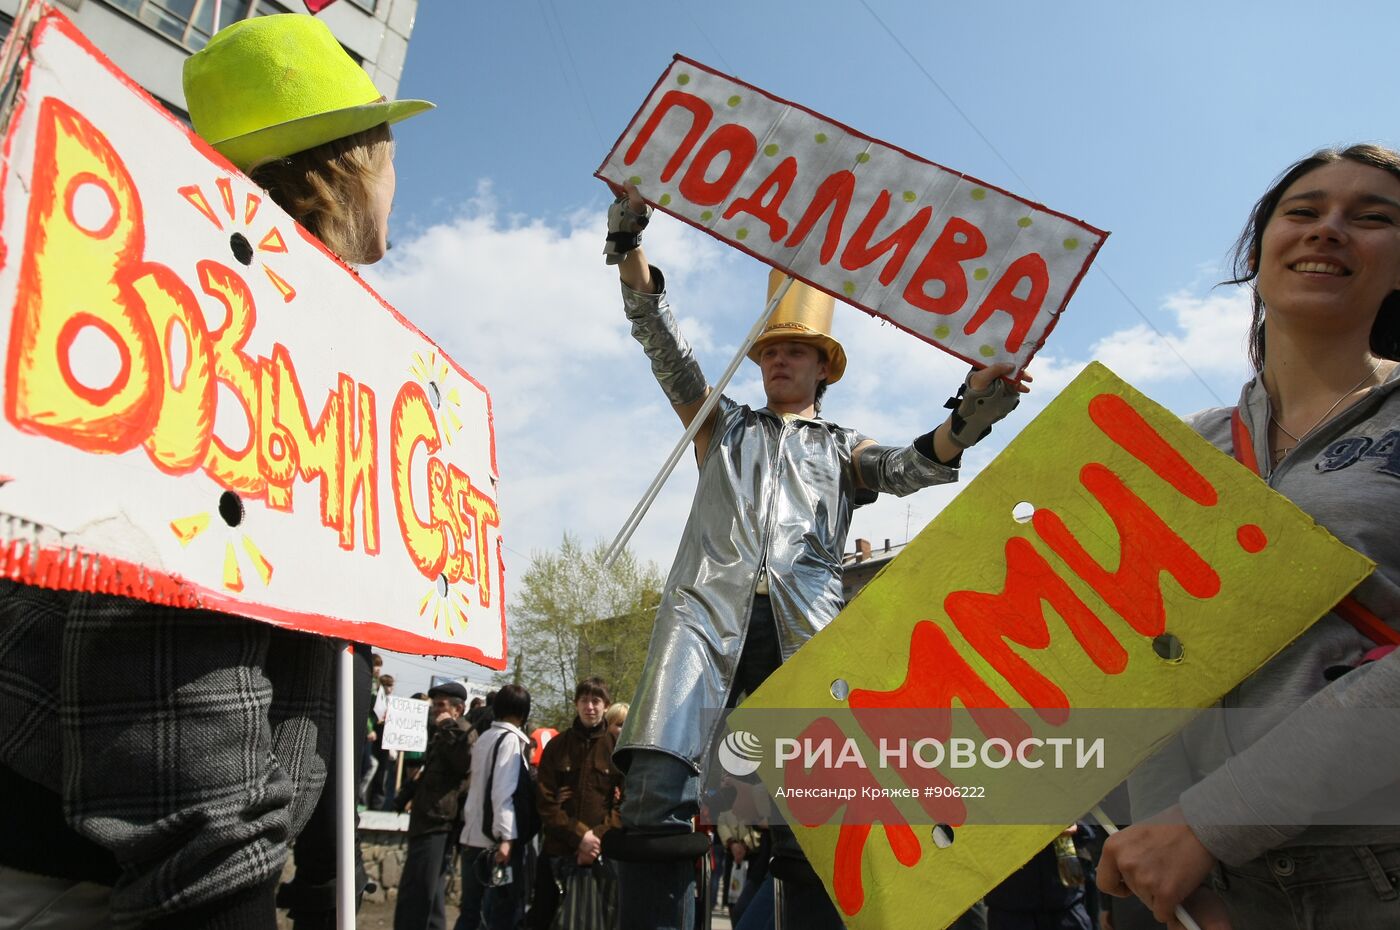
<point x="624" y="229"/>
<point x="975" y="411"/>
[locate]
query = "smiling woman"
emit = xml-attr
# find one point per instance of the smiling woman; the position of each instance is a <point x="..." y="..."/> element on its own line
<point x="1321" y="423"/>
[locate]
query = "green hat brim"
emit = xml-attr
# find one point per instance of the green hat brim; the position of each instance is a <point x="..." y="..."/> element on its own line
<point x="252" y="149"/>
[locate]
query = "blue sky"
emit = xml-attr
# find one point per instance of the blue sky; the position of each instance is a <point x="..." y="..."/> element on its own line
<point x="1159" y="123"/>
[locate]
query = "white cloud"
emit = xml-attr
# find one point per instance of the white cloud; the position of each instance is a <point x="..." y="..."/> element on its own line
<point x="1210" y="335"/>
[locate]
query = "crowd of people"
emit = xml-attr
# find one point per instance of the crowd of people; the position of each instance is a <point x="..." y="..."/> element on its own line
<point x="159" y="762"/>
<point x="528" y="839"/>
<point x="522" y="833"/>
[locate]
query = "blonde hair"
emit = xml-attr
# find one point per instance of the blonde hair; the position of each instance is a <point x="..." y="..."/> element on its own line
<point x="330" y="190"/>
<point x="616" y="713"/>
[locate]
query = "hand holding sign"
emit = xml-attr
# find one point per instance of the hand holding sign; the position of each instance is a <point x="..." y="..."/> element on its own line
<point x="1140" y="536"/>
<point x="977" y="271"/>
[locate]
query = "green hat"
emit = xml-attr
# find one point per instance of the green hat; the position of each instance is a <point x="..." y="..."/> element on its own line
<point x="271" y="86"/>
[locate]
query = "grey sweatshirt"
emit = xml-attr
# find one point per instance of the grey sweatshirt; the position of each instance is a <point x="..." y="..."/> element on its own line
<point x="1307" y="766"/>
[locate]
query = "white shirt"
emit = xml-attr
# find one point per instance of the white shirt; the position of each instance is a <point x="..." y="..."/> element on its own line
<point x="502" y="785"/>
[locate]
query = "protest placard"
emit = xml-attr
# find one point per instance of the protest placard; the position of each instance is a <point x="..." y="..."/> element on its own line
<point x="1108" y="558"/>
<point x="956" y="261"/>
<point x="204" y="407"/>
<point x="406" y="725"/>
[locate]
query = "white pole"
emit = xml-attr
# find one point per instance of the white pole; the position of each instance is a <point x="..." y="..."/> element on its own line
<point x="640" y="510"/>
<point x="345" y="791"/>
<point x="1110" y="828"/>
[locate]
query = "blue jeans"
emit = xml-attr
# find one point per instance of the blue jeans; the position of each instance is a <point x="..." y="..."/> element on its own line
<point x="1314" y="888"/>
<point x="500" y="908"/>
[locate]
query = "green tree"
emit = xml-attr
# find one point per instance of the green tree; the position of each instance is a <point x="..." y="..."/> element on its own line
<point x="574" y="618"/>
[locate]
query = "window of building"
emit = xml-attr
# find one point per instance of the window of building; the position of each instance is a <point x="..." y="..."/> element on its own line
<point x="367" y="5"/>
<point x="191" y="22"/>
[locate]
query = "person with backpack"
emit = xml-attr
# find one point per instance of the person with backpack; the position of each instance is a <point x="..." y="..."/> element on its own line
<point x="501" y="819"/>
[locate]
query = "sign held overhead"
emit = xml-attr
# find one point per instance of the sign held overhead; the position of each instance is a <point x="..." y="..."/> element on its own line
<point x="977" y="271"/>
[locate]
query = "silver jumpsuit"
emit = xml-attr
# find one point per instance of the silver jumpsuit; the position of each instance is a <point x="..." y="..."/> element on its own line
<point x="774" y="496"/>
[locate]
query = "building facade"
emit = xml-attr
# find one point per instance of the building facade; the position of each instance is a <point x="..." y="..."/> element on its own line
<point x="150" y="39"/>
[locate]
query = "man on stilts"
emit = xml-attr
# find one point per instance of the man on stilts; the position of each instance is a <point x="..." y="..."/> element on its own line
<point x="758" y="570"/>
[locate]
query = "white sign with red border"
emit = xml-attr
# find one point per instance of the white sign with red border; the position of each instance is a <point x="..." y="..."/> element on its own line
<point x="203" y="407"/>
<point x="960" y="263"/>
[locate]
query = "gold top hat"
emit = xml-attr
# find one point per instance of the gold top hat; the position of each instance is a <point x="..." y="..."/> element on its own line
<point x="803" y="315"/>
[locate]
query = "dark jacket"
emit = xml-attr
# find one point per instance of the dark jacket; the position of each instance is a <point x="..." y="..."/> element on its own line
<point x="442" y="783"/>
<point x="579" y="759"/>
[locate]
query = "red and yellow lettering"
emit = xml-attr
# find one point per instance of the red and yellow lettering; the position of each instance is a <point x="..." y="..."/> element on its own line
<point x="959" y="241"/>
<point x="859" y="252"/>
<point x="412" y="423"/>
<point x="835" y="194"/>
<point x="1146" y="548"/>
<point x="290" y="447"/>
<point x="179" y="440"/>
<point x="484" y="514"/>
<point x="359" y="463"/>
<point x="701" y="114"/>
<point x="731" y="140"/>
<point x="458" y="513"/>
<point x="236" y="469"/>
<point x="442" y="506"/>
<point x="76" y="280"/>
<point x="775" y="188"/>
<point x="1017" y="614"/>
<point x="1023" y="310"/>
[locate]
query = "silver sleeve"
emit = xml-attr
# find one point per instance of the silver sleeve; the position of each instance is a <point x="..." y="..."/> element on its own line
<point x="900" y="470"/>
<point x="654" y="326"/>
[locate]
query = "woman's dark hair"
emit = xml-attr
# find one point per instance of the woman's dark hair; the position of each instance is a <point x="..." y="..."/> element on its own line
<point x="1385" y="334"/>
<point x="512" y="701"/>
<point x="593" y="687"/>
<point x="821" y="385"/>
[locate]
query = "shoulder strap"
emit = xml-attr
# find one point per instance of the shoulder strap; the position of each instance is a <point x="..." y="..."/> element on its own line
<point x="488" y="811"/>
<point x="1349" y="608"/>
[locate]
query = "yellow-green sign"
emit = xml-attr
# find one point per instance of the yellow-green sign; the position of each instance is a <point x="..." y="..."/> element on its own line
<point x="1109" y="558"/>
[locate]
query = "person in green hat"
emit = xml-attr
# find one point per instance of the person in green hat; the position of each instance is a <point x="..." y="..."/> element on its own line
<point x="158" y="762"/>
<point x="279" y="98"/>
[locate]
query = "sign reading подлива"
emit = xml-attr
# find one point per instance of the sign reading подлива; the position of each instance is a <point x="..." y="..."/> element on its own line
<point x="957" y="262"/>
